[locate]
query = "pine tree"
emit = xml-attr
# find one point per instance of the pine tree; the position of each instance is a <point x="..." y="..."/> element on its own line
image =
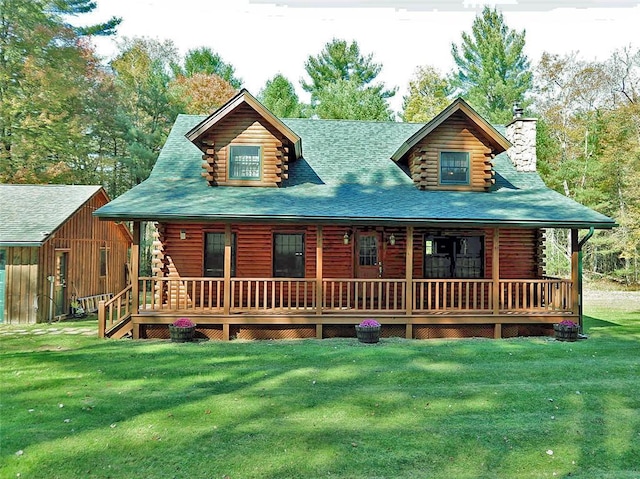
<point x="493" y="71"/>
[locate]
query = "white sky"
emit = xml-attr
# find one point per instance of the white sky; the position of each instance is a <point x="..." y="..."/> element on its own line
<point x="261" y="38"/>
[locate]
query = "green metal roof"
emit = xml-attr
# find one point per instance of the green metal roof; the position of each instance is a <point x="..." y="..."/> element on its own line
<point x="29" y="214"/>
<point x="344" y="176"/>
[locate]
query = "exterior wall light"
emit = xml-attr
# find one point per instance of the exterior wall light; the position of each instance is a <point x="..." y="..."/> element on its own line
<point x="392" y="239"/>
<point x="183" y="234"/>
<point x="345" y="238"/>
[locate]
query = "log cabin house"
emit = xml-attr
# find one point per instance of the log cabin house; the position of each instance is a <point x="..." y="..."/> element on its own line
<point x="292" y="228"/>
<point x="53" y="251"/>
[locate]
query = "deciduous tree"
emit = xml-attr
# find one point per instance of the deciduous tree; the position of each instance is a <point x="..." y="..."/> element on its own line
<point x="427" y="96"/>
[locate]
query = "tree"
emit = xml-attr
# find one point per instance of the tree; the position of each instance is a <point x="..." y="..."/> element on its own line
<point x="45" y="70"/>
<point x="492" y="70"/>
<point x="427" y="95"/>
<point x="345" y="99"/>
<point x="143" y="70"/>
<point x="341" y="63"/>
<point x="279" y="96"/>
<point x="204" y="60"/>
<point x="201" y="93"/>
<point x="589" y="148"/>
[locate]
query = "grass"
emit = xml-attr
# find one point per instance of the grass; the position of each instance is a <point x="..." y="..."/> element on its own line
<point x="77" y="406"/>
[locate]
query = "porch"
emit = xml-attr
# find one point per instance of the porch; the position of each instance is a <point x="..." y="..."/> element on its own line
<point x="303" y="307"/>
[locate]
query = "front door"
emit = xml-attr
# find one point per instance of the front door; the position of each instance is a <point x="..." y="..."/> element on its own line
<point x="369" y="261"/>
<point x="3" y="264"/>
<point x="60" y="286"/>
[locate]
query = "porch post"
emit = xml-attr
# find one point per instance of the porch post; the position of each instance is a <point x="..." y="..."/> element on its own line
<point x="135" y="274"/>
<point x="495" y="276"/>
<point x="575" y="275"/>
<point x="409" y="282"/>
<point x="227" y="279"/>
<point x="319" y="240"/>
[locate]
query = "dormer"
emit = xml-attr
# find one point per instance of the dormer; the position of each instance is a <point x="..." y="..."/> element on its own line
<point x="244" y="144"/>
<point x="454" y="151"/>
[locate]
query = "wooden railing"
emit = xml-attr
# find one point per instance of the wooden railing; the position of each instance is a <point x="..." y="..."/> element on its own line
<point x="460" y="295"/>
<point x="363" y="295"/>
<point x="536" y="295"/>
<point x="115" y="311"/>
<point x="198" y="294"/>
<point x="276" y="294"/>
<point x="296" y="295"/>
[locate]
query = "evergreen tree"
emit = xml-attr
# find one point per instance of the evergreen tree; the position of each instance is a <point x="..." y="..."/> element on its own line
<point x="342" y="64"/>
<point x="204" y="60"/>
<point x="492" y="70"/>
<point x="279" y="96"/>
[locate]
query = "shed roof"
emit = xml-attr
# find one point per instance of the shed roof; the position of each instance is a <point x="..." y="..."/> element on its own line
<point x="346" y="175"/>
<point x="31" y="213"/>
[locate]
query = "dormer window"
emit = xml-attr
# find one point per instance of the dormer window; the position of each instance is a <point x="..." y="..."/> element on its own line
<point x="454" y="168"/>
<point x="245" y="162"/>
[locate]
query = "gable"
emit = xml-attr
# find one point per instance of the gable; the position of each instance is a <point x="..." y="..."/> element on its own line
<point x="243" y="144"/>
<point x="453" y="151"/>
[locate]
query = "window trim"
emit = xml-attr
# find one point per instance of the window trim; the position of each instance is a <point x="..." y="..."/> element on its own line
<point x="467" y="181"/>
<point x="230" y="156"/>
<point x="303" y="254"/>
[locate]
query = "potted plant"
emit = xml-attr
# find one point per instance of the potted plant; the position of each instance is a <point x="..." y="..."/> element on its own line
<point x="368" y="331"/>
<point x="182" y="330"/>
<point x="566" y="330"/>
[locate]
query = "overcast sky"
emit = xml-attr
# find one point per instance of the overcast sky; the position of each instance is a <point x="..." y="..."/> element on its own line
<point x="261" y="38"/>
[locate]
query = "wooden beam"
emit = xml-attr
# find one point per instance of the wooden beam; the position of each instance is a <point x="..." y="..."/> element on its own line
<point x="135" y="274"/>
<point x="227" y="271"/>
<point x="409" y="280"/>
<point x="319" y="241"/>
<point x="497" y="331"/>
<point x="575" y="279"/>
<point x="495" y="271"/>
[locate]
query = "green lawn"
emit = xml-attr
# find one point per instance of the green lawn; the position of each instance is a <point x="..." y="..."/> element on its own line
<point x="75" y="406"/>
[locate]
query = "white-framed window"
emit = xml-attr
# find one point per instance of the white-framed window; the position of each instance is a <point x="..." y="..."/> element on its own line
<point x="245" y="162"/>
<point x="454" y="168"/>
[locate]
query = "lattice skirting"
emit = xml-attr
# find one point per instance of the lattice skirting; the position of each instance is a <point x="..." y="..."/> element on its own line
<point x="161" y="331"/>
<point x="214" y="332"/>
<point x="453" y="331"/>
<point x="272" y="332"/>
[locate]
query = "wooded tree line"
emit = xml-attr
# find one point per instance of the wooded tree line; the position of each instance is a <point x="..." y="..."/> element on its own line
<point x="67" y="116"/>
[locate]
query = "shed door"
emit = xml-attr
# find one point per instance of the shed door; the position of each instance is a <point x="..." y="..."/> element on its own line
<point x="3" y="265"/>
<point x="60" y="293"/>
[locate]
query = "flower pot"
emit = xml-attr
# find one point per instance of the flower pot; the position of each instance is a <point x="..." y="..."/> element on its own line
<point x="181" y="335"/>
<point x="566" y="333"/>
<point x="368" y="334"/>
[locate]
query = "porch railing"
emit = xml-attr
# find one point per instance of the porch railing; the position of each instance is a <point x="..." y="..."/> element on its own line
<point x="460" y="295"/>
<point x="298" y="295"/>
<point x="537" y="295"/>
<point x="275" y="294"/>
<point x="364" y="295"/>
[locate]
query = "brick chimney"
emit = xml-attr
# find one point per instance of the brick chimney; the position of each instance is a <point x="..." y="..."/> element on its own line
<point x="521" y="132"/>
